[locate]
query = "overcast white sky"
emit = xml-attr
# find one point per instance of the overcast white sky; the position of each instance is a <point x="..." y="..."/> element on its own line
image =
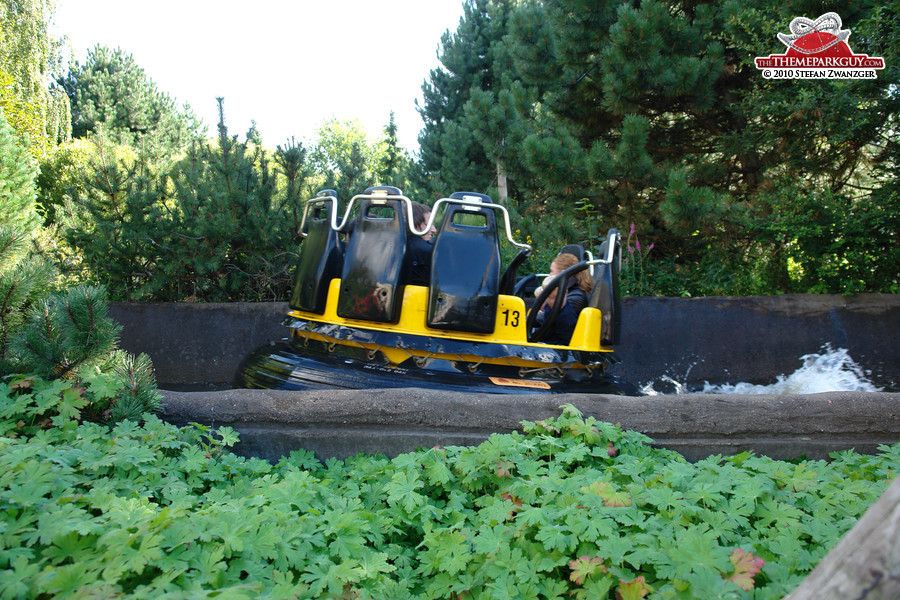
<point x="287" y="64"/>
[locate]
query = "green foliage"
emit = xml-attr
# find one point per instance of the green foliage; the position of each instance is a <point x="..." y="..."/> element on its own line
<point x="349" y="161"/>
<point x="451" y="156"/>
<point x="17" y="173"/>
<point x="32" y="405"/>
<point x="65" y="342"/>
<point x="61" y="169"/>
<point x="29" y="57"/>
<point x="395" y="166"/>
<point x="19" y="113"/>
<point x="112" y="95"/>
<point x="214" y="227"/>
<point x="654" y="114"/>
<point x="570" y="507"/>
<point x="546" y="237"/>
<point x="138" y="393"/>
<point x="220" y="224"/>
<point x="634" y="279"/>
<point x="66" y="331"/>
<point x="292" y="159"/>
<point x="23" y="278"/>
<point x="64" y="336"/>
<point x="834" y="242"/>
<point x="596" y="115"/>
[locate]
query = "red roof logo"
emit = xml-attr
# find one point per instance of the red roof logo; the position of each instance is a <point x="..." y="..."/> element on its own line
<point x="818" y="50"/>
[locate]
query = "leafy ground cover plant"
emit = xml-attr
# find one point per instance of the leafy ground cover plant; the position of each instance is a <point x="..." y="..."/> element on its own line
<point x="568" y="508"/>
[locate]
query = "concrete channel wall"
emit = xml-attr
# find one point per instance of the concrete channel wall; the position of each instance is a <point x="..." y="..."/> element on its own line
<point x="692" y="340"/>
<point x="341" y="423"/>
<point x="199" y="347"/>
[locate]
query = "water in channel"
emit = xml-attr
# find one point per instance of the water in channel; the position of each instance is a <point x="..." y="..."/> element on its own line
<point x="828" y="371"/>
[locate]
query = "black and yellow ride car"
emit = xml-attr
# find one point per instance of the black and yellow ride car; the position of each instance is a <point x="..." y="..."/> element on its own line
<point x="357" y="322"/>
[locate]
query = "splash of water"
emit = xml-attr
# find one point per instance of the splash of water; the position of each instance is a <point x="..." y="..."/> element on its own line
<point x="672" y="386"/>
<point x="830" y="371"/>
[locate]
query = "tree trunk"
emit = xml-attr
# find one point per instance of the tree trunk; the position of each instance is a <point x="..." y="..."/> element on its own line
<point x="501" y="184"/>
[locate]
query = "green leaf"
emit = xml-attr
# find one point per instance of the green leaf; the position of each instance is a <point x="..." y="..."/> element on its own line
<point x="20" y="580"/>
<point x="611" y="496"/>
<point x="771" y="512"/>
<point x="229" y="436"/>
<point x="59" y="520"/>
<point x="373" y="563"/>
<point x="490" y="539"/>
<point x="556" y="537"/>
<point x="798" y="479"/>
<point x="402" y="490"/>
<point x="73" y="401"/>
<point x="101" y="385"/>
<point x="70" y="579"/>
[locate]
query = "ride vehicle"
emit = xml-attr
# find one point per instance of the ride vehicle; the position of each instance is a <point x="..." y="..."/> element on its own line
<point x="356" y="321"/>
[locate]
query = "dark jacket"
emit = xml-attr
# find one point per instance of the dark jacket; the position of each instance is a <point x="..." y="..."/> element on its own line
<point x="418" y="254"/>
<point x="560" y="332"/>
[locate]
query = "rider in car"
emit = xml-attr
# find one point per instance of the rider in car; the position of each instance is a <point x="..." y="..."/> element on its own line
<point x="576" y="298"/>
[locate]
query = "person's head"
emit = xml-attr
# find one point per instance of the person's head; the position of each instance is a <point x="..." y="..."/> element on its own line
<point x="421" y="214"/>
<point x="563" y="262"/>
<point x="543" y="285"/>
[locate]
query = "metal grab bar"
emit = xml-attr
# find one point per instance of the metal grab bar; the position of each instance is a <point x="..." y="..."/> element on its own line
<point x="475" y="204"/>
<point x="612" y="243"/>
<point x="591" y="261"/>
<point x="384" y="196"/>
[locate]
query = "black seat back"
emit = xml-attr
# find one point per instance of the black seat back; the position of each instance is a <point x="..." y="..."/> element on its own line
<point x="321" y="257"/>
<point x="576" y="250"/>
<point x="373" y="271"/>
<point x="606" y="295"/>
<point x="465" y="269"/>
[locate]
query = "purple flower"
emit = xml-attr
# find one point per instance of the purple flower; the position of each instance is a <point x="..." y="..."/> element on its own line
<point x="638" y="244"/>
<point x="632" y="229"/>
<point x="630" y="249"/>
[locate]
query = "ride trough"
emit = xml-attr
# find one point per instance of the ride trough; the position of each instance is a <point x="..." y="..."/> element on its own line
<point x="357" y="322"/>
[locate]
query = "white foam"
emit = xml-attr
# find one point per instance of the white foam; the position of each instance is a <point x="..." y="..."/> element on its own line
<point x="830" y="371"/>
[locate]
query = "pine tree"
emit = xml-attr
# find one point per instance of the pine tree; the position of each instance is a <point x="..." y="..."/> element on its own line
<point x="396" y="167"/>
<point x="23" y="280"/>
<point x="617" y="86"/>
<point x="112" y="94"/>
<point x="138" y="393"/>
<point x="66" y="331"/>
<point x="352" y="174"/>
<point x="653" y="114"/>
<point x="53" y="334"/>
<point x="390" y="171"/>
<point x="293" y="160"/>
<point x="450" y="155"/>
<point x="111" y="221"/>
<point x="17" y="175"/>
<point x="214" y="227"/>
<point x="230" y="237"/>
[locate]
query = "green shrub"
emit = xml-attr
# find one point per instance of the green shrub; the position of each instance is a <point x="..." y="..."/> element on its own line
<point x="571" y="507"/>
<point x="61" y="337"/>
<point x="213" y="227"/>
<point x="834" y="243"/>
